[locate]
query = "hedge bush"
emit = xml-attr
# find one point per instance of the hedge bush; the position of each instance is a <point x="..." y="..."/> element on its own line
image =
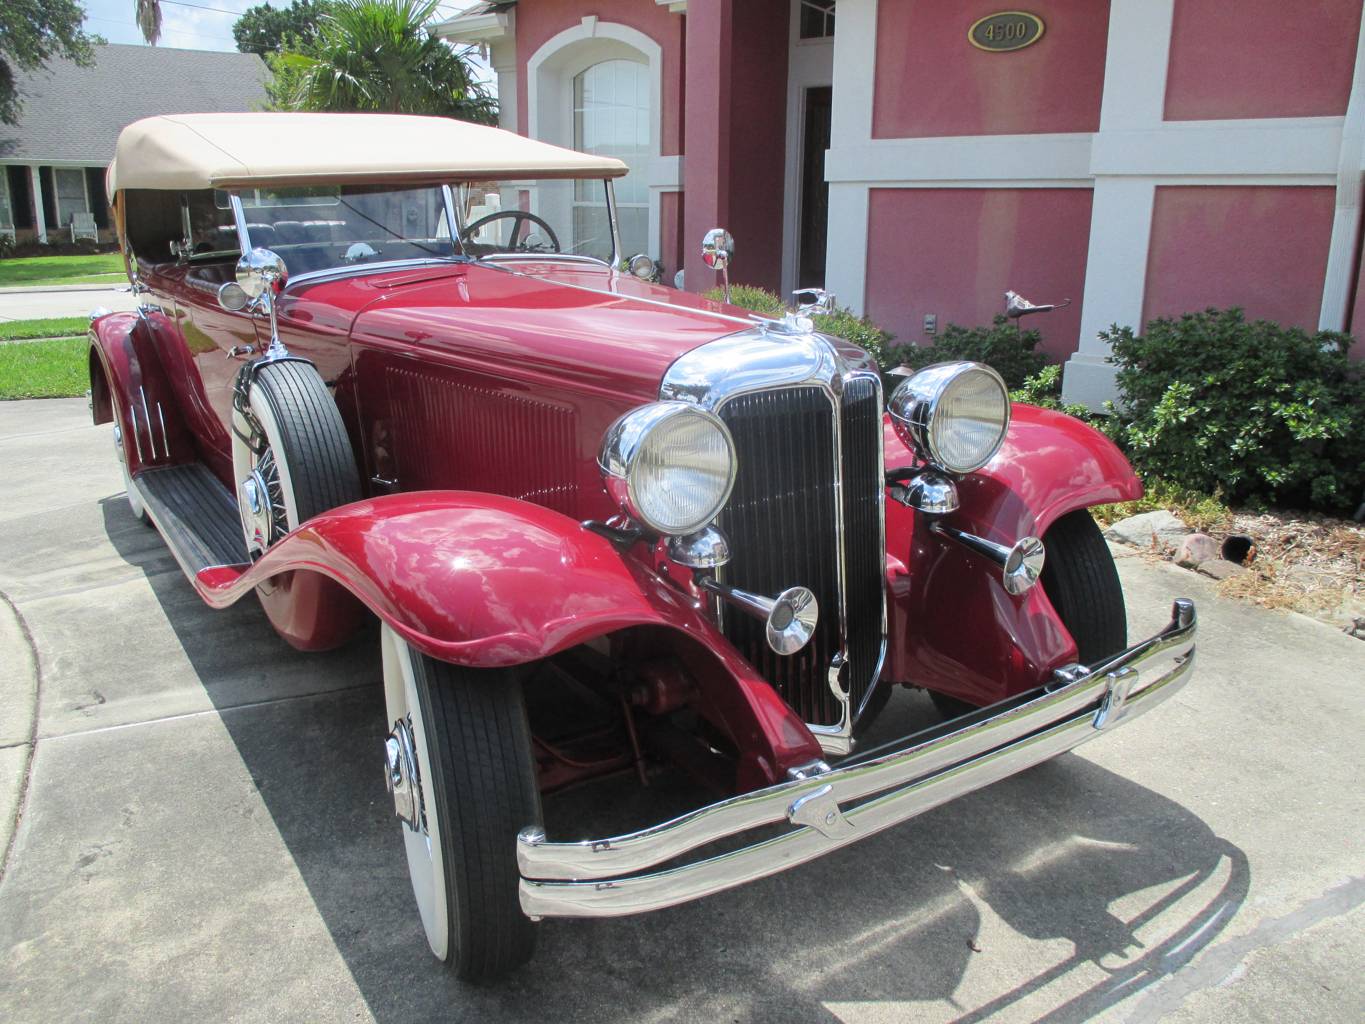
<point x="1012" y="353"/>
<point x="842" y="323"/>
<point x="1253" y="410"/>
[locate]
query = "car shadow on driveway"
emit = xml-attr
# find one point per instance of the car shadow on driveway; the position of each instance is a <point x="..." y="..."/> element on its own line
<point x="1068" y="886"/>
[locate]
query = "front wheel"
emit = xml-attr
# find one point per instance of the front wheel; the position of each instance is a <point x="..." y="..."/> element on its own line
<point x="459" y="765"/>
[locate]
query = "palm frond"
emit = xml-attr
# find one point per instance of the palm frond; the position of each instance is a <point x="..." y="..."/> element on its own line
<point x="147" y="13"/>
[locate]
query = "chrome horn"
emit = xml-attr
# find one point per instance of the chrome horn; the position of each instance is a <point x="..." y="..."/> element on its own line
<point x="790" y="617"/>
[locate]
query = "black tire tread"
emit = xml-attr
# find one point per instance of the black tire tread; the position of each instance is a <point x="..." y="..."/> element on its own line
<point x="1082" y="582"/>
<point x="322" y="466"/>
<point x="486" y="788"/>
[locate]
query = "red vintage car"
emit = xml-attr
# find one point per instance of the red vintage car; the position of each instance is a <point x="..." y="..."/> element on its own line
<point x="396" y="368"/>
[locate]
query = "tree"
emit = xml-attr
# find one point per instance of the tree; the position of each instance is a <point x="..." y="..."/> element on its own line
<point x="147" y="14"/>
<point x="377" y="55"/>
<point x="264" y="29"/>
<point x="32" y="32"/>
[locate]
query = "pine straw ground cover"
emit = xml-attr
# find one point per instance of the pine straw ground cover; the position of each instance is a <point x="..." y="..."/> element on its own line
<point x="1303" y="561"/>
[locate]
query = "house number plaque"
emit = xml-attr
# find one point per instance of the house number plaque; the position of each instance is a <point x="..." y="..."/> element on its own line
<point x="1005" y="31"/>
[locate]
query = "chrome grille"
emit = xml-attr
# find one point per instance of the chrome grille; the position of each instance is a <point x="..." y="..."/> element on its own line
<point x="783" y="524"/>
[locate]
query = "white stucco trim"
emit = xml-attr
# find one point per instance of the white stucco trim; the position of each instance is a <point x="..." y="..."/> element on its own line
<point x="1339" y="280"/>
<point x="855" y="66"/>
<point x="969" y="160"/>
<point x="475" y="28"/>
<point x="810" y="64"/>
<point x="549" y="94"/>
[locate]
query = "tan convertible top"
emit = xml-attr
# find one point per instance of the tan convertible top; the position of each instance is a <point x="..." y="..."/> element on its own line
<point x="194" y="151"/>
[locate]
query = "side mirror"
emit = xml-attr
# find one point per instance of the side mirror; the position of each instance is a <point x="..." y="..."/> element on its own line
<point x="717" y="248"/>
<point x="233" y="297"/>
<point x="261" y="271"/>
<point x="641" y="266"/>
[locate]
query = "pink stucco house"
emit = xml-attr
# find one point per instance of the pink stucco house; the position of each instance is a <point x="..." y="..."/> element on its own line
<point x="1140" y="157"/>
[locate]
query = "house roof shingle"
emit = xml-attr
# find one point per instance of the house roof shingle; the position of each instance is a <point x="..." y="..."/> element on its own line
<point x="75" y="114"/>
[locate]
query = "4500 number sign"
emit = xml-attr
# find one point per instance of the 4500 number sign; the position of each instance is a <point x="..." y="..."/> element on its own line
<point x="1007" y="30"/>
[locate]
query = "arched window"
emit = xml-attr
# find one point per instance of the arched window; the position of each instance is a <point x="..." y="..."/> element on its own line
<point x="611" y="118"/>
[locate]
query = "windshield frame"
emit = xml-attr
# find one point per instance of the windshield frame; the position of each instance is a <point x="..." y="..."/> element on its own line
<point x="455" y="216"/>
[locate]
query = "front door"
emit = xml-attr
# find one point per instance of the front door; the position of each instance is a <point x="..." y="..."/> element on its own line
<point x="814" y="216"/>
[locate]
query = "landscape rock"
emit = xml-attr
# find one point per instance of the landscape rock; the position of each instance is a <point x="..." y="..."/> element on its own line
<point x="1160" y="530"/>
<point x="1196" y="548"/>
<point x="1221" y="568"/>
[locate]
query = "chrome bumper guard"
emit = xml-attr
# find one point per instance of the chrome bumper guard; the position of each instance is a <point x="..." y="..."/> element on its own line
<point x="602" y="877"/>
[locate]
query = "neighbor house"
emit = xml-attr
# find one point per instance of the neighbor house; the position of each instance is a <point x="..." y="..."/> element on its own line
<point x="52" y="162"/>
<point x="919" y="157"/>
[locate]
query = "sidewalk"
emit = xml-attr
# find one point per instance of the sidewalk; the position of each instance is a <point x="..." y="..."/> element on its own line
<point x="68" y="300"/>
<point x="206" y="835"/>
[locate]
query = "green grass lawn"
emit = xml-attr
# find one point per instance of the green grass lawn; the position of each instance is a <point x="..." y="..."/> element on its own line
<point x="56" y="327"/>
<point x="40" y="271"/>
<point x="44" y="369"/>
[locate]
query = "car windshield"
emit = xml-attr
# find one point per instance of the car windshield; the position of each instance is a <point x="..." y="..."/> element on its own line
<point x="544" y="216"/>
<point x="321" y="228"/>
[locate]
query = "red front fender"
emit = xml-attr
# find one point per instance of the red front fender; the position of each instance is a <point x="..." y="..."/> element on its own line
<point x="483" y="580"/>
<point x="953" y="628"/>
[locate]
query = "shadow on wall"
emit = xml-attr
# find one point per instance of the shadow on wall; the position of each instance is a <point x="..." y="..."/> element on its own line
<point x="1131" y="881"/>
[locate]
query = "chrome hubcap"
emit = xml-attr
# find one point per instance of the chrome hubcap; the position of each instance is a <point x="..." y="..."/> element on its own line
<point x="401" y="777"/>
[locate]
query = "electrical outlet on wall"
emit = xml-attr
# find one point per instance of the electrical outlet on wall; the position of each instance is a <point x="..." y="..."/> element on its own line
<point x="930" y="323"/>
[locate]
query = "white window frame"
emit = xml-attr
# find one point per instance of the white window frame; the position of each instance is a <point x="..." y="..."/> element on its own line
<point x="549" y="97"/>
<point x="6" y="204"/>
<point x="63" y="221"/>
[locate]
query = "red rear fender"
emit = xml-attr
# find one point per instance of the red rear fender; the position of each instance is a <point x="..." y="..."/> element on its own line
<point x="483" y="580"/>
<point x="126" y="375"/>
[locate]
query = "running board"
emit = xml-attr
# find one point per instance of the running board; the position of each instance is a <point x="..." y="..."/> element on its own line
<point x="196" y="515"/>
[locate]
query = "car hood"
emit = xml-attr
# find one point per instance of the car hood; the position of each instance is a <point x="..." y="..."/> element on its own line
<point x="593" y="327"/>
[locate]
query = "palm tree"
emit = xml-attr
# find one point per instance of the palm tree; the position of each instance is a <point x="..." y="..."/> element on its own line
<point x="148" y="15"/>
<point x="378" y="55"/>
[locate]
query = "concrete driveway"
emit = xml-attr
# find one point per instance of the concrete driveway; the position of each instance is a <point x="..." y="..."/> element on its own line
<point x="203" y="832"/>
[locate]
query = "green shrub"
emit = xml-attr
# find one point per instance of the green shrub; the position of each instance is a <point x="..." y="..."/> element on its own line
<point x="1012" y="353"/>
<point x="842" y="323"/>
<point x="758" y="300"/>
<point x="1044" y="389"/>
<point x="1201" y="511"/>
<point x="1257" y="411"/>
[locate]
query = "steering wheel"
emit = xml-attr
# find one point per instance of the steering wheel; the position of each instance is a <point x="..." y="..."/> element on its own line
<point x="520" y="217"/>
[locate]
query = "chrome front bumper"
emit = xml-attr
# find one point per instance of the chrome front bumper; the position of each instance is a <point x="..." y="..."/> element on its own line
<point x="603" y="877"/>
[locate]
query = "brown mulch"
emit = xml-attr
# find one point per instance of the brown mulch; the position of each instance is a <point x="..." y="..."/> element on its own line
<point x="1305" y="562"/>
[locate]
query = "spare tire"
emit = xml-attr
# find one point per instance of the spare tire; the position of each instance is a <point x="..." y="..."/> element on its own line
<point x="291" y="457"/>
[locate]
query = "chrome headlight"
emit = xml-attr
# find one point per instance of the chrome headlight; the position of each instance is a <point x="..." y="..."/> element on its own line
<point x="670" y="465"/>
<point x="952" y="414"/>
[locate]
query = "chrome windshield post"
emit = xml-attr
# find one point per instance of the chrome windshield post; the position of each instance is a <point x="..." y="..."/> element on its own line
<point x="239" y="218"/>
<point x="611" y="218"/>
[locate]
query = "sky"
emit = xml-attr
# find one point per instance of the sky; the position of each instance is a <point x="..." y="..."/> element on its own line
<point x="199" y="24"/>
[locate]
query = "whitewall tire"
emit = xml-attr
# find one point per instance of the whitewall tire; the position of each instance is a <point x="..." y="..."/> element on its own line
<point x="459" y="766"/>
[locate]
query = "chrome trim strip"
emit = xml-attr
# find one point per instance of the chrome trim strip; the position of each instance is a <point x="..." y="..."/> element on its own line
<point x="165" y="441"/>
<point x="582" y="879"/>
<point x="137" y="440"/>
